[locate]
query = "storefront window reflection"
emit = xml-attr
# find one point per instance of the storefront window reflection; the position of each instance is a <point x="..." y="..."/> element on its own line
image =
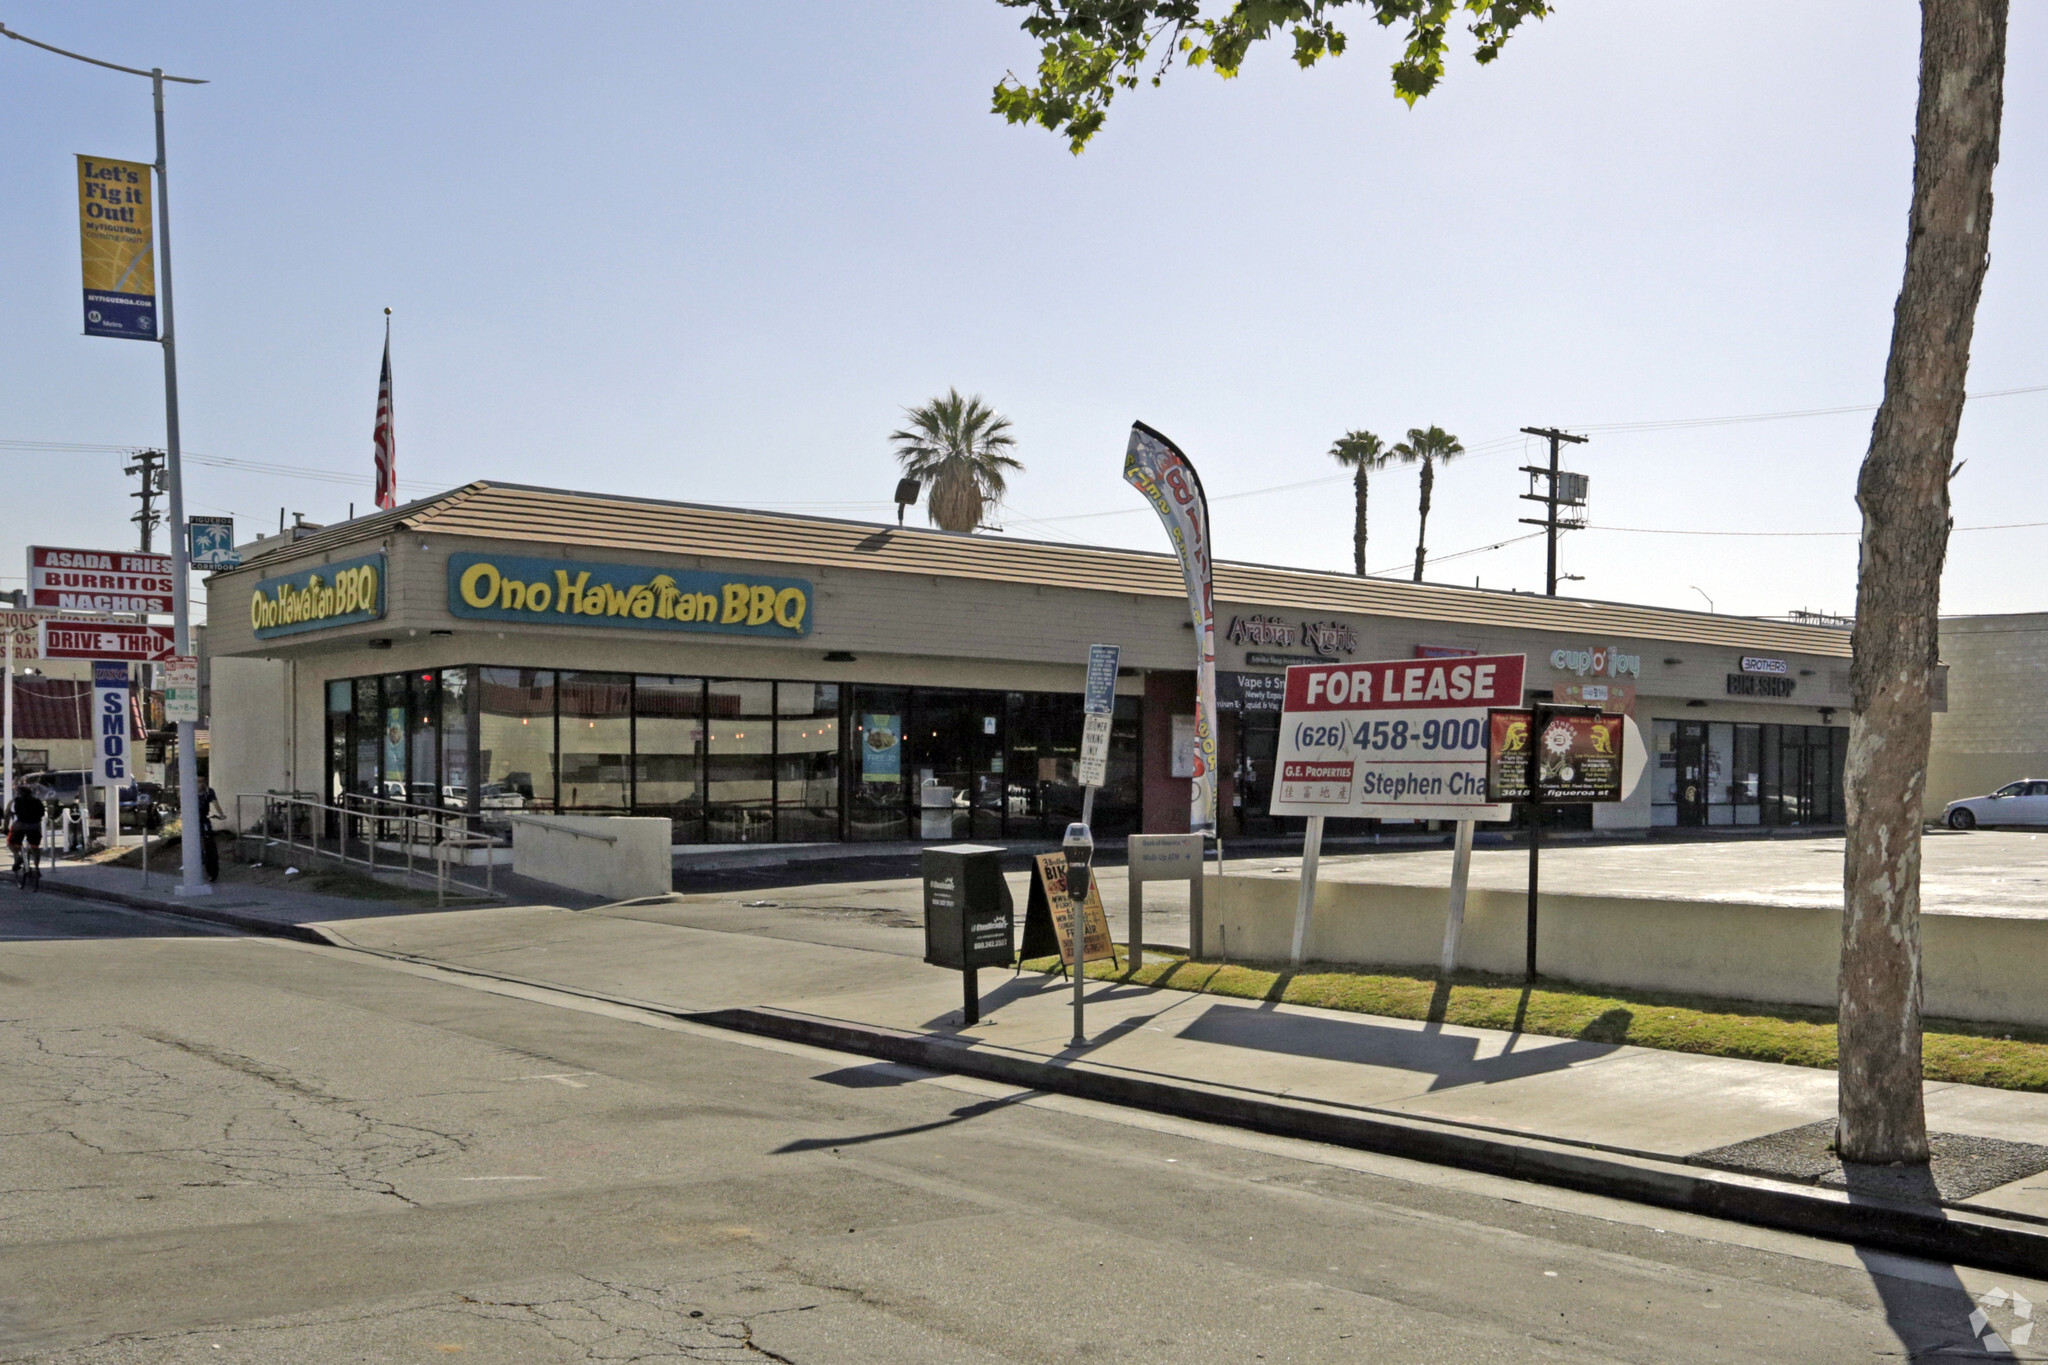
<point x="668" y="753"/>
<point x="729" y="760"/>
<point x="596" y="729"/>
<point x="455" y="737"/>
<point x="516" y="738"/>
<point x="740" y="761"/>
<point x="807" y="741"/>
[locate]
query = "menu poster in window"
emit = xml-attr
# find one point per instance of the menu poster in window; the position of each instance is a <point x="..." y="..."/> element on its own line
<point x="881" y="747"/>
<point x="394" y="751"/>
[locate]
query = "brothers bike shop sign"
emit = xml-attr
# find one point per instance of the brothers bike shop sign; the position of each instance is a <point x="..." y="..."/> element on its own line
<point x="562" y="592"/>
<point x="339" y="594"/>
<point x="1760" y="685"/>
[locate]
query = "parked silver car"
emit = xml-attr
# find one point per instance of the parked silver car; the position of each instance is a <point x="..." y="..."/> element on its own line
<point x="2016" y="803"/>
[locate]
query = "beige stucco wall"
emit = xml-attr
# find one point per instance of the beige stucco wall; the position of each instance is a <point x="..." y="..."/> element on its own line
<point x="1996" y="725"/>
<point x="901" y="628"/>
<point x="251" y="732"/>
<point x="1977" y="966"/>
<point x="629" y="857"/>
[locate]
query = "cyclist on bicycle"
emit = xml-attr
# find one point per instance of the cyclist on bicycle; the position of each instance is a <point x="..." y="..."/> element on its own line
<point x="24" y="822"/>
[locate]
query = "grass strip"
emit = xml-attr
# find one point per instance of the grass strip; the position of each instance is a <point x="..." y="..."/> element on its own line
<point x="2005" y="1056"/>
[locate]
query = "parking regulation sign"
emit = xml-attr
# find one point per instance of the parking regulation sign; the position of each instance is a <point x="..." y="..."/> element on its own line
<point x="1402" y="739"/>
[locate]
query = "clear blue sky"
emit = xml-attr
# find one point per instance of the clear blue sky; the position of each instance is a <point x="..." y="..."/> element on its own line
<point x="709" y="252"/>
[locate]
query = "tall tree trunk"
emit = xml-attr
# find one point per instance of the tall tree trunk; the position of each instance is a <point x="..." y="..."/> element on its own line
<point x="1358" y="524"/>
<point x="1903" y="493"/>
<point x="1422" y="526"/>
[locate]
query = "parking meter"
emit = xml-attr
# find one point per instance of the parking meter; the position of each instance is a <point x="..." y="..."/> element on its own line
<point x="1079" y="846"/>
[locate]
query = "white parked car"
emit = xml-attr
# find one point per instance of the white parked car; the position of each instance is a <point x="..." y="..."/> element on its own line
<point x="2016" y="803"/>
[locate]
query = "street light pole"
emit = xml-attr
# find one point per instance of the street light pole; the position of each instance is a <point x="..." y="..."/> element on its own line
<point x="193" y="882"/>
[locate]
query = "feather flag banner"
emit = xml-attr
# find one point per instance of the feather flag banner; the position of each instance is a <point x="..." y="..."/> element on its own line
<point x="1156" y="467"/>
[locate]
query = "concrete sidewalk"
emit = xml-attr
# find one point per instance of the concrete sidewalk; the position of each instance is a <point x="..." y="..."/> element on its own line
<point x="691" y="957"/>
<point x="258" y="908"/>
<point x="850" y="975"/>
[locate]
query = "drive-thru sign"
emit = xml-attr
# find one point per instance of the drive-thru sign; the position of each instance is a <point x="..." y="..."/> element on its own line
<point x="1402" y="739"/>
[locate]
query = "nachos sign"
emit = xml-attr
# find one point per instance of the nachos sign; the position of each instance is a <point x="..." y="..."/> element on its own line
<point x="1401" y="739"/>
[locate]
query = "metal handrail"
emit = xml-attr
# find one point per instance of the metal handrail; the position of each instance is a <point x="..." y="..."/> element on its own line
<point x="566" y="829"/>
<point x="438" y="835"/>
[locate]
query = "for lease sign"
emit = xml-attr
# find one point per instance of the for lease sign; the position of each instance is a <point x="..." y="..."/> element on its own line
<point x="1401" y="739"/>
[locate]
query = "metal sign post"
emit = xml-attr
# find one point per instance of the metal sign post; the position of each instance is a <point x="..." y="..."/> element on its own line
<point x="1461" y="876"/>
<point x="1549" y="755"/>
<point x="1098" y="711"/>
<point x="194" y="882"/>
<point x="1158" y="858"/>
<point x="1394" y="738"/>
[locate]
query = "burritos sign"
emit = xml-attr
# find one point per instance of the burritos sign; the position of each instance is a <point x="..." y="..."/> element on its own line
<point x="562" y="592"/>
<point x="1402" y="739"/>
<point x="99" y="580"/>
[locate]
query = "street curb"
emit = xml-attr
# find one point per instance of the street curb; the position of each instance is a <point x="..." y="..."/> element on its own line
<point x="1915" y="1230"/>
<point x="185" y="910"/>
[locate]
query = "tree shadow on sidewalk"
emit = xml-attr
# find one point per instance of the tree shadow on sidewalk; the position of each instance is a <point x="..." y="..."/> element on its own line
<point x="1926" y="1304"/>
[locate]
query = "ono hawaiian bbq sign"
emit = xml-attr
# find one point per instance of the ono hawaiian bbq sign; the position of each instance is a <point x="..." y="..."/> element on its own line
<point x="1401" y="739"/>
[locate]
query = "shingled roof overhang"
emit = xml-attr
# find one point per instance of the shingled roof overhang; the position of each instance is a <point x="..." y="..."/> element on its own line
<point x="516" y="512"/>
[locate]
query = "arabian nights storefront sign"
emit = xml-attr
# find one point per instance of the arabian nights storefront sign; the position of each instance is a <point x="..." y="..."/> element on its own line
<point x="562" y="592"/>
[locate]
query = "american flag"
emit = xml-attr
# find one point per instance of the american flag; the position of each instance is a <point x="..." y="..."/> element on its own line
<point x="385" y="441"/>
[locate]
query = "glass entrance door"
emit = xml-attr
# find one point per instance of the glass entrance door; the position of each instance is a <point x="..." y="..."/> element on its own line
<point x="1692" y="772"/>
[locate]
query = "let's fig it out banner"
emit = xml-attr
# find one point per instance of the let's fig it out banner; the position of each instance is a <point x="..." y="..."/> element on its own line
<point x="117" y="247"/>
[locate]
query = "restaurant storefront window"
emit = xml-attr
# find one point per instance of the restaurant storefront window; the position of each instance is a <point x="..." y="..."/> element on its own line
<point x="516" y="738"/>
<point x="807" y="743"/>
<point x="595" y="726"/>
<point x="668" y="753"/>
<point x="728" y="760"/>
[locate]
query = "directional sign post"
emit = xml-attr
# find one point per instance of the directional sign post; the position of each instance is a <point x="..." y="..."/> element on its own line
<point x="1098" y="710"/>
<point x="70" y="639"/>
<point x="1400" y="739"/>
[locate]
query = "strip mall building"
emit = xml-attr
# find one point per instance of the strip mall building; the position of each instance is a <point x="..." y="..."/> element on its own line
<point x="756" y="677"/>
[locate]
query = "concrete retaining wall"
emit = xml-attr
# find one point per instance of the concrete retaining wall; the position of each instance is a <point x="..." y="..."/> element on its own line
<point x="1978" y="967"/>
<point x="636" y="862"/>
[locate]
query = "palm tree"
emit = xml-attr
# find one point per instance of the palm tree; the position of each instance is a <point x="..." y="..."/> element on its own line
<point x="1428" y="448"/>
<point x="1363" y="452"/>
<point x="956" y="447"/>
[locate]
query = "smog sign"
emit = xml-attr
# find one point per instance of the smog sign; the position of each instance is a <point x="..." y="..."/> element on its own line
<point x="1400" y="739"/>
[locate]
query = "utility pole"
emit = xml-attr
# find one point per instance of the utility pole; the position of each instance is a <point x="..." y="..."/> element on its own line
<point x="150" y="465"/>
<point x="1561" y="489"/>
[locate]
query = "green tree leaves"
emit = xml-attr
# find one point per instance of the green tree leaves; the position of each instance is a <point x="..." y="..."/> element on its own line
<point x="1090" y="49"/>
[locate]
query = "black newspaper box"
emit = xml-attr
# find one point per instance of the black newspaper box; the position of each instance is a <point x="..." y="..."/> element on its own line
<point x="968" y="915"/>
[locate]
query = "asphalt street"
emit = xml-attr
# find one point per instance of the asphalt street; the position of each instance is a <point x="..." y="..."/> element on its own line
<point x="230" y="1149"/>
